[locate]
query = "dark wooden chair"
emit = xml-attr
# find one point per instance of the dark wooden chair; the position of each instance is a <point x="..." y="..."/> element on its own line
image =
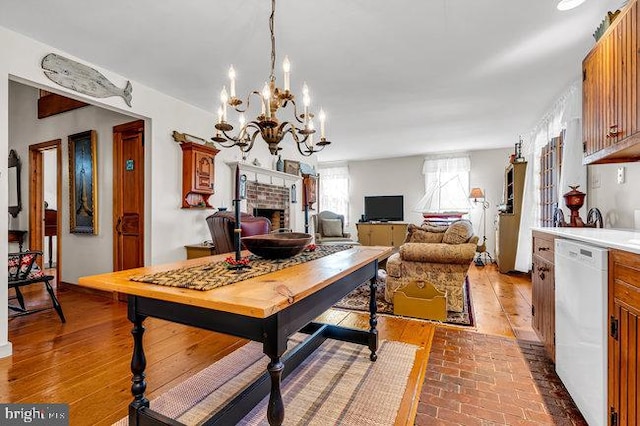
<point x="23" y="270"/>
<point x="222" y="225"/>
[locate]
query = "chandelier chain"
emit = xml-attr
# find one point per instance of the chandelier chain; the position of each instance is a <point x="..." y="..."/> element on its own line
<point x="272" y="77"/>
<point x="267" y="124"/>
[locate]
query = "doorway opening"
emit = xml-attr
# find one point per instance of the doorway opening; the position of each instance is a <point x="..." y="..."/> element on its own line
<point x="45" y="204"/>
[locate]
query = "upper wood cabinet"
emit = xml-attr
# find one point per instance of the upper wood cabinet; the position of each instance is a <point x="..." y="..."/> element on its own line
<point x="198" y="174"/>
<point x="610" y="120"/>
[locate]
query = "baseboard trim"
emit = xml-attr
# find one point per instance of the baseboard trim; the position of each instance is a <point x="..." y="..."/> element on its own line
<point x="6" y="350"/>
<point x="86" y="290"/>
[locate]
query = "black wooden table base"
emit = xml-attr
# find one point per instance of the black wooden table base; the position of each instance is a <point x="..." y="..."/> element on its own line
<point x="273" y="332"/>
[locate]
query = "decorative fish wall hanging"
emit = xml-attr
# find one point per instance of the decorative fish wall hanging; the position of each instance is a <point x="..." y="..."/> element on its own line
<point x="82" y="78"/>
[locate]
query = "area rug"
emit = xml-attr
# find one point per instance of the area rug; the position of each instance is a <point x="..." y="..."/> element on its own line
<point x="358" y="300"/>
<point x="336" y="384"/>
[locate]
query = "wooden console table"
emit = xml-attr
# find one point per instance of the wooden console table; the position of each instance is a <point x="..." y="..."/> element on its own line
<point x="382" y="233"/>
<point x="266" y="309"/>
<point x="17" y="236"/>
<point x="195" y="251"/>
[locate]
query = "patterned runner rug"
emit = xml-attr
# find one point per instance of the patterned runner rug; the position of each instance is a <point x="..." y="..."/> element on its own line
<point x="215" y="274"/>
<point x="358" y="300"/>
<point x="337" y="384"/>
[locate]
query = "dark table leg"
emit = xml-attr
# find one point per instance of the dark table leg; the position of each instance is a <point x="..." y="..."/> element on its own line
<point x="275" y="409"/>
<point x="373" y="320"/>
<point x="138" y="364"/>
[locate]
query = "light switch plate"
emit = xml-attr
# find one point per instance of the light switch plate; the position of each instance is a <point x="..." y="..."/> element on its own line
<point x="620" y="174"/>
<point x="595" y="180"/>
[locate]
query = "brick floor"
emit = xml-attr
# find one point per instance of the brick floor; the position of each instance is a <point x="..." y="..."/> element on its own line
<point x="478" y="379"/>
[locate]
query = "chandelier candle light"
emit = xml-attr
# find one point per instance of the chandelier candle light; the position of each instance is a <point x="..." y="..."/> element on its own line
<point x="267" y="124"/>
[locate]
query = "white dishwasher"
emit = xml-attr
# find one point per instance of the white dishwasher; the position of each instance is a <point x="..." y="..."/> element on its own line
<point x="581" y="326"/>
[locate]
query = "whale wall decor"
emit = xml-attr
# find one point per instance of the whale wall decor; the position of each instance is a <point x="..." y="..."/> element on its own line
<point x="82" y="78"/>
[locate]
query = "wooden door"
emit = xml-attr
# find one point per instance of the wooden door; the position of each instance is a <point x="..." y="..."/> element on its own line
<point x="398" y="234"/>
<point x="380" y="235"/>
<point x="624" y="338"/>
<point x="548" y="307"/>
<point x="203" y="171"/>
<point x="128" y="195"/>
<point x="364" y="233"/>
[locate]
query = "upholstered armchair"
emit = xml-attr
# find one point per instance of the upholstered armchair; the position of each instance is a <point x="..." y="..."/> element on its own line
<point x="222" y="225"/>
<point x="438" y="255"/>
<point x="329" y="227"/>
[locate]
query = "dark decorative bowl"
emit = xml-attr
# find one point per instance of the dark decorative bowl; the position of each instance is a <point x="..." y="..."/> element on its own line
<point x="277" y="246"/>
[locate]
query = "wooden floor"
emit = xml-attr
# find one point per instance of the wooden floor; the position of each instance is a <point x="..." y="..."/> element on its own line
<point x="85" y="362"/>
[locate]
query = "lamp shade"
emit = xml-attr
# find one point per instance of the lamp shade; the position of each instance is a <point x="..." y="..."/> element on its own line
<point x="476" y="193"/>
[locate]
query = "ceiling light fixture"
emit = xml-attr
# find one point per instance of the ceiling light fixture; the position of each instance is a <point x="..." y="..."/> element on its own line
<point x="569" y="4"/>
<point x="266" y="123"/>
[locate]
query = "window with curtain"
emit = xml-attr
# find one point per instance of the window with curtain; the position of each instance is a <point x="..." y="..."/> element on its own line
<point x="334" y="190"/>
<point x="446" y="181"/>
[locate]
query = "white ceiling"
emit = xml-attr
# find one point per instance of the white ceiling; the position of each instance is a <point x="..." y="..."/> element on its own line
<point x="397" y="78"/>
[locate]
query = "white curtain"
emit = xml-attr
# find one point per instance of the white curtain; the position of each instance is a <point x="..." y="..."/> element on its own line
<point x="572" y="171"/>
<point x="334" y="190"/>
<point x="557" y="119"/>
<point x="446" y="181"/>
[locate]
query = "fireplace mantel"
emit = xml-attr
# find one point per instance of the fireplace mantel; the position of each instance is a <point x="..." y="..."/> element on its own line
<point x="249" y="169"/>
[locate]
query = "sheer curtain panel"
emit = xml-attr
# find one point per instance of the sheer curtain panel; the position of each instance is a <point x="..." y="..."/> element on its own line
<point x="334" y="190"/>
<point x="446" y="181"/>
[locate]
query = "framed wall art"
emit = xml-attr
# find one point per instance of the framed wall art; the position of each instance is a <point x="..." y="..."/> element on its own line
<point x="83" y="187"/>
<point x="292" y="167"/>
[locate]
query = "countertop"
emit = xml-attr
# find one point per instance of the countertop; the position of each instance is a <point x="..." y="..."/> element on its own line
<point x="621" y="239"/>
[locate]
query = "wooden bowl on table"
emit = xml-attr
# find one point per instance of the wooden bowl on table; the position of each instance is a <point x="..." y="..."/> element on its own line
<point x="277" y="246"/>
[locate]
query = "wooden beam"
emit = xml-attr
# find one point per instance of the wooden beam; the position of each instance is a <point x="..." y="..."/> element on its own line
<point x="53" y="104"/>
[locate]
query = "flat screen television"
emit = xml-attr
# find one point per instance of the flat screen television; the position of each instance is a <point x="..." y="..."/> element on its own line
<point x="384" y="208"/>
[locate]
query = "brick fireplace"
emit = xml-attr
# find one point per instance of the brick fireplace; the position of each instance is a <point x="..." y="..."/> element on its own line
<point x="271" y="201"/>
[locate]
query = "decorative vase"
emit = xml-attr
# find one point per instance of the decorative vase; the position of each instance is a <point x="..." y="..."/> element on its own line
<point x="280" y="164"/>
<point x="574" y="200"/>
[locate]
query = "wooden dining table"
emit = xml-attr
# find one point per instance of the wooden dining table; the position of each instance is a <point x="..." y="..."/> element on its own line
<point x="268" y="309"/>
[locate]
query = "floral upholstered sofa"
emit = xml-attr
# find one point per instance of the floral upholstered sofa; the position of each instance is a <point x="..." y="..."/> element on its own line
<point x="438" y="255"/>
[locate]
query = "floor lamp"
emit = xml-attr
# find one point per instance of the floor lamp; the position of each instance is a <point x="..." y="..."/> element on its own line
<point x="478" y="197"/>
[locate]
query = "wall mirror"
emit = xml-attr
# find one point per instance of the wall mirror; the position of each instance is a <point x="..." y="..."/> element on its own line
<point x="15" y="200"/>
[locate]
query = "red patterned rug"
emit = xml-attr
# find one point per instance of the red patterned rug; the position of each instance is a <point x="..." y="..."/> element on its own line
<point x="358" y="300"/>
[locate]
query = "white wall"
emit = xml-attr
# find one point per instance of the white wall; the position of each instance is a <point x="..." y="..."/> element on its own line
<point x="167" y="227"/>
<point x="392" y="176"/>
<point x="403" y="176"/>
<point x="83" y="254"/>
<point x="487" y="172"/>
<point x="617" y="202"/>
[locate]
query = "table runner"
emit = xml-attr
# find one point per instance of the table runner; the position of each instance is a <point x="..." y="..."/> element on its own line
<point x="215" y="274"/>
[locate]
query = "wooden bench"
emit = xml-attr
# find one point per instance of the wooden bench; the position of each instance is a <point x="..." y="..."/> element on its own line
<point x="23" y="270"/>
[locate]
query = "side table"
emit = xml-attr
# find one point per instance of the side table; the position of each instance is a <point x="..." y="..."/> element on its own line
<point x="200" y="250"/>
<point x="17" y="236"/>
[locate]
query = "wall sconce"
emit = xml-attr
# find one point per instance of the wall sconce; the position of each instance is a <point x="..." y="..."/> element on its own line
<point x="294" y="194"/>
